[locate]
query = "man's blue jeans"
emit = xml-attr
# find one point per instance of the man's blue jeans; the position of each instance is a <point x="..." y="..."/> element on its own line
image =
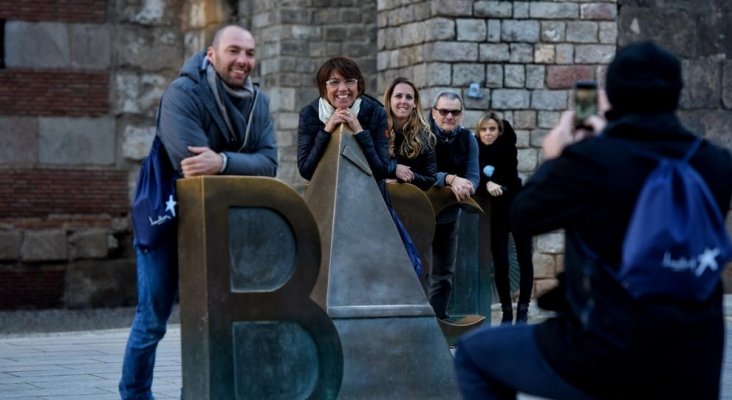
<point x="494" y="363"/>
<point x="157" y="286"/>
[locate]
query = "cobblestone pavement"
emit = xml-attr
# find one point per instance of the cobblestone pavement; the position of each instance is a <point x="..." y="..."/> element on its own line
<point x="58" y="355"/>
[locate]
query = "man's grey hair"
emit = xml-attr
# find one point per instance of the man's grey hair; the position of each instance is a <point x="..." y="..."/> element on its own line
<point x="450" y="95"/>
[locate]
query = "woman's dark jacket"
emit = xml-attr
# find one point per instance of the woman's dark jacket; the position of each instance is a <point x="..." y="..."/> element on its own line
<point x="312" y="139"/>
<point x="423" y="166"/>
<point x="503" y="156"/>
<point x="601" y="339"/>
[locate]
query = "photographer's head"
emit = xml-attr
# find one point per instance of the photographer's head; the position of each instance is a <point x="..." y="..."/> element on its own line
<point x="643" y="78"/>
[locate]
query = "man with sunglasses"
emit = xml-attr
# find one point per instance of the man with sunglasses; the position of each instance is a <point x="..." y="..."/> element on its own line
<point x="456" y="153"/>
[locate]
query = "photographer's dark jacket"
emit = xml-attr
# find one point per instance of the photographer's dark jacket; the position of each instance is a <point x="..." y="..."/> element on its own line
<point x="601" y="340"/>
<point x="189" y="116"/>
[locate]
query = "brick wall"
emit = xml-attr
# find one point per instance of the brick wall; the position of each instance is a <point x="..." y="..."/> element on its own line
<point x="63" y="196"/>
<point x="31" y="288"/>
<point x="42" y="192"/>
<point x="54" y="10"/>
<point x="60" y="93"/>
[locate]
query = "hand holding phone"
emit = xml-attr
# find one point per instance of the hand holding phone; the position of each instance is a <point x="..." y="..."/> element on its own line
<point x="585" y="102"/>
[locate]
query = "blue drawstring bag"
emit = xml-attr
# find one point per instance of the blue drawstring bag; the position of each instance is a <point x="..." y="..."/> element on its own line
<point x="409" y="245"/>
<point x="676" y="244"/>
<point x="154" y="206"/>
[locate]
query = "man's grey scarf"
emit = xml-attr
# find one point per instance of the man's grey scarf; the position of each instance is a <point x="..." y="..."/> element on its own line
<point x="225" y="104"/>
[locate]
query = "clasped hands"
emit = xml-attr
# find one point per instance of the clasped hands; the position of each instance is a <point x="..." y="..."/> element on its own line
<point x="343" y="116"/>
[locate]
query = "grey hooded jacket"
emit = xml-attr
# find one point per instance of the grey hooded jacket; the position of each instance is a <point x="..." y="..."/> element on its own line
<point x="190" y="116"/>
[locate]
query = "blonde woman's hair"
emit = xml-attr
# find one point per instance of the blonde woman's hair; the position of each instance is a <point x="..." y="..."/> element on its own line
<point x="416" y="130"/>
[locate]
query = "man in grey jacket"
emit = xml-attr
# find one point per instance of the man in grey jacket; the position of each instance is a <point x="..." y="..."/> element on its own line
<point x="212" y="120"/>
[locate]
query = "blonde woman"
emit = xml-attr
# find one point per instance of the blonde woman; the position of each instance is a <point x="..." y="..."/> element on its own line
<point x="411" y="143"/>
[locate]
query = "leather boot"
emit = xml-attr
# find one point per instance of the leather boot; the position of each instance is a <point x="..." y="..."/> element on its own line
<point x="507" y="314"/>
<point x="522" y="314"/>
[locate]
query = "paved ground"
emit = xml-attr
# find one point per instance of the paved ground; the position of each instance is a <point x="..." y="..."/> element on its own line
<point x="76" y="355"/>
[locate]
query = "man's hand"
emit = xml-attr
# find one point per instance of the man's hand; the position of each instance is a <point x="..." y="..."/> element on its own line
<point x="564" y="133"/>
<point x="204" y="162"/>
<point x="461" y="187"/>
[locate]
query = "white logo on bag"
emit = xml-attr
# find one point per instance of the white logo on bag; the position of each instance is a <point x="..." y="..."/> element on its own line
<point x="698" y="264"/>
<point x="169" y="206"/>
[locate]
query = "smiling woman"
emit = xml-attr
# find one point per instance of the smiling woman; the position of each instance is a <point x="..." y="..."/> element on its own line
<point x="342" y="101"/>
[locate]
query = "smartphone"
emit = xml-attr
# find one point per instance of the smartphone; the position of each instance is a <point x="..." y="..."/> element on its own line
<point x="585" y="101"/>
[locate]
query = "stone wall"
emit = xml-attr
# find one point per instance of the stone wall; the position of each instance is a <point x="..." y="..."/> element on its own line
<point x="523" y="56"/>
<point x="80" y="82"/>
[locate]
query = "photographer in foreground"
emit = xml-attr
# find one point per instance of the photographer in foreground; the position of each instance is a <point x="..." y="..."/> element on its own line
<point x="602" y="342"/>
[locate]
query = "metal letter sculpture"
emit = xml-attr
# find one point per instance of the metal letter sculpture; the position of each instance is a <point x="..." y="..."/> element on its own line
<point x="249" y="255"/>
<point x="393" y="347"/>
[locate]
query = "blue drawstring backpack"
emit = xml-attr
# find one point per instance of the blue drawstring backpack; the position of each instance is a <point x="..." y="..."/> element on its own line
<point x="676" y="244"/>
<point x="409" y="245"/>
<point x="154" y="206"/>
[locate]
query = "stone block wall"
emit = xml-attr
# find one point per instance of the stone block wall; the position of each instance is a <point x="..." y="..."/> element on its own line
<point x="293" y="39"/>
<point x="60" y="194"/>
<point x="80" y="83"/>
<point x="524" y="56"/>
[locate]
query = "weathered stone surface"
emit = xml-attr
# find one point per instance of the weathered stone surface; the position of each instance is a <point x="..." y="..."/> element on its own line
<point x="527" y="159"/>
<point x="727" y="84"/>
<point x="493" y="9"/>
<point x="549" y="100"/>
<point x="153" y="49"/>
<point x="670" y="28"/>
<point x="503" y="99"/>
<point x="494" y="76"/>
<point x="465" y="74"/>
<point x="515" y="76"/>
<point x="550" y="243"/>
<point x="535" y="76"/>
<point x="520" y="31"/>
<point x="521" y="53"/>
<point x="544" y="54"/>
<point x="100" y="283"/>
<point x="543" y="285"/>
<point x="140" y="93"/>
<point x="37" y="45"/>
<point x="548" y="10"/>
<point x="594" y="54"/>
<point x="75" y="141"/>
<point x="89" y="243"/>
<point x="544" y="266"/>
<point x="471" y="30"/>
<point x="451" y="51"/>
<point x="10" y="245"/>
<point x="599" y="11"/>
<point x="136" y="141"/>
<point x="44" y="245"/>
<point x="19" y="140"/>
<point x="553" y="31"/>
<point x="524" y="119"/>
<point x="582" y="32"/>
<point x="494" y="52"/>
<point x="90" y="46"/>
<point x="702" y="84"/>
<point x="564" y="76"/>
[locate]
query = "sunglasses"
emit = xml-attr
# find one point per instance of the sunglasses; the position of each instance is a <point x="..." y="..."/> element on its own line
<point x="444" y="112"/>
